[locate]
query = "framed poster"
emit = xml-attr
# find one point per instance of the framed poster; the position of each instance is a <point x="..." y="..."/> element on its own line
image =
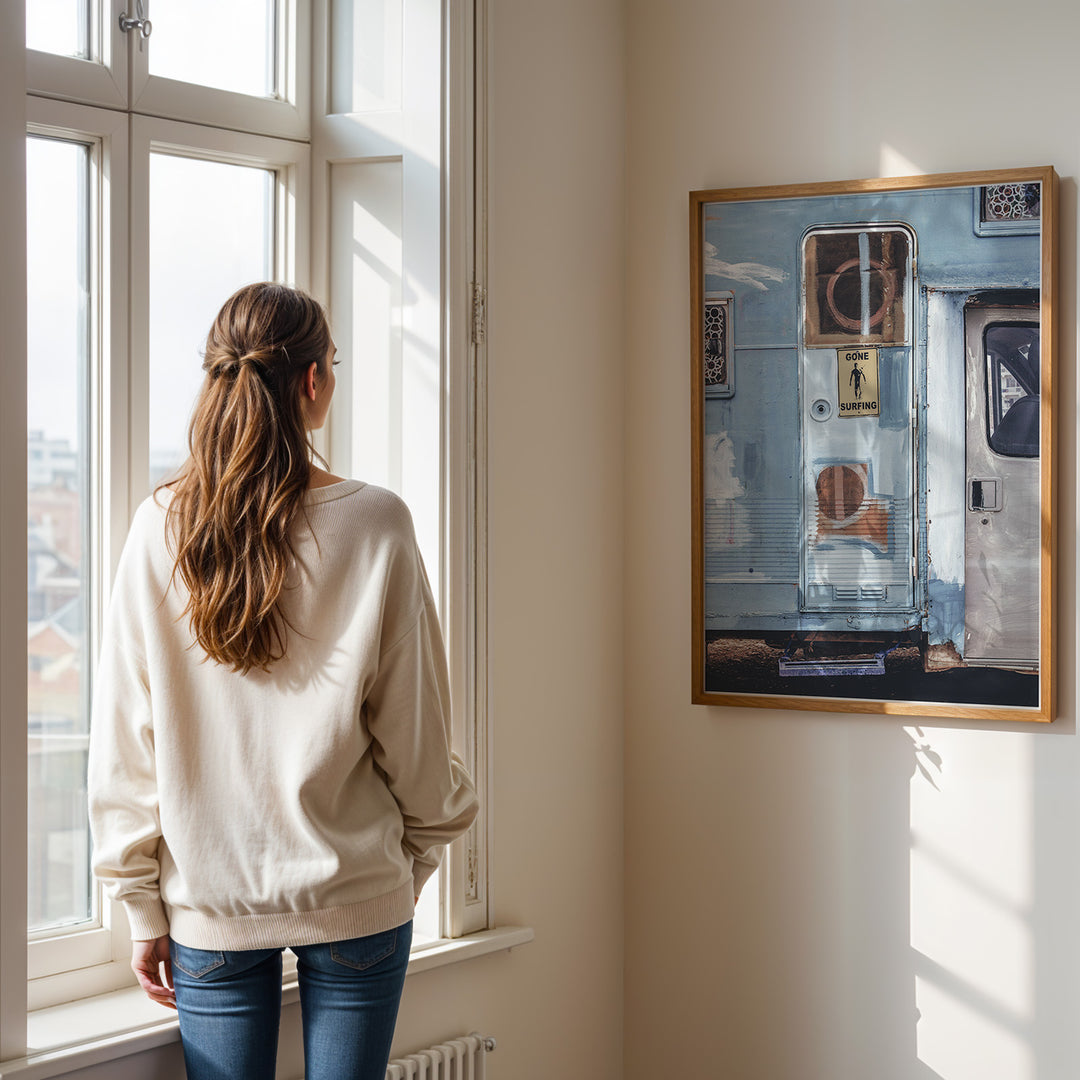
<point x="873" y="445"/>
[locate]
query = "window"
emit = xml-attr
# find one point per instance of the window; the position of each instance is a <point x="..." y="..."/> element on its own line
<point x="716" y="348"/>
<point x="239" y="54"/>
<point x="196" y="207"/>
<point x="58" y="496"/>
<point x="856" y="285"/>
<point x="141" y="157"/>
<point x="114" y="298"/>
<point x="1007" y="208"/>
<point x="63" y="29"/>
<point x="1012" y="388"/>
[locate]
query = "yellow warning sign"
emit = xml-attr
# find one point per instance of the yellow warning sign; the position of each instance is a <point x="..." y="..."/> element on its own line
<point x="857" y="379"/>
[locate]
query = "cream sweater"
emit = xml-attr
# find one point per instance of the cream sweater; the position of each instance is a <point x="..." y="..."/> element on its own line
<point x="304" y="805"/>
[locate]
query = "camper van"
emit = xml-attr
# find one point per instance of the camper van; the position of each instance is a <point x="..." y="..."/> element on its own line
<point x="870" y="427"/>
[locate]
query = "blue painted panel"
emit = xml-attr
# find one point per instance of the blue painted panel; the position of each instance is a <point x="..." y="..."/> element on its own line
<point x="764" y="608"/>
<point x="751" y="473"/>
<point x="894" y="389"/>
<point x="736" y="605"/>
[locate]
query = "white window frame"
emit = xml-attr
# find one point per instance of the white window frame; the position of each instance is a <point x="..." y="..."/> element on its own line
<point x="287" y="116"/>
<point x="469" y="896"/>
<point x="13" y="456"/>
<point x="101" y="79"/>
<point x="105" y="123"/>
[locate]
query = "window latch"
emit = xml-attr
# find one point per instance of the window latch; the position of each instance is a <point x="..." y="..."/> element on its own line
<point x="142" y="24"/>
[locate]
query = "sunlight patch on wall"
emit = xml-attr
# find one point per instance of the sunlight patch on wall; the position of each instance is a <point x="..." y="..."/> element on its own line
<point x="962" y="1043"/>
<point x="893" y="163"/>
<point x="971" y="902"/>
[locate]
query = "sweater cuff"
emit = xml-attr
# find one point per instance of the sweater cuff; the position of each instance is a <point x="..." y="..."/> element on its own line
<point x="146" y="919"/>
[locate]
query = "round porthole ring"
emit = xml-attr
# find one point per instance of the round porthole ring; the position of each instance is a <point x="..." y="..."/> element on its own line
<point x="846" y="321"/>
<point x="821" y="410"/>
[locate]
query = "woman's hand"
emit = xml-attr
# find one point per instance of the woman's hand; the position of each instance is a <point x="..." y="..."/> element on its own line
<point x="153" y="968"/>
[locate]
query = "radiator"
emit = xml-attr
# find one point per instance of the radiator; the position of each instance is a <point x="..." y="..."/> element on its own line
<point x="456" y="1059"/>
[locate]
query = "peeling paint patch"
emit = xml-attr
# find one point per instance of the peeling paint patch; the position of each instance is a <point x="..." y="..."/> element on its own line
<point x="746" y="273"/>
<point x="722" y="488"/>
<point x="945" y="617"/>
<point x="721" y="483"/>
<point x="941" y="657"/>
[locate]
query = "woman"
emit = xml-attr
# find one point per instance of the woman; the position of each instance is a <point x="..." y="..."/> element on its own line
<point x="270" y="763"/>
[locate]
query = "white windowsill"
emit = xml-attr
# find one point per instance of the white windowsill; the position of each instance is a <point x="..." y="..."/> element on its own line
<point x="83" y="1033"/>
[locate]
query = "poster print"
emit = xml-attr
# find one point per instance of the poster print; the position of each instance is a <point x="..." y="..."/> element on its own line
<point x="873" y="445"/>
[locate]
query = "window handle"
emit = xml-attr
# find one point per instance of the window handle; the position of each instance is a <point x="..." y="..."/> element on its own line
<point x="141" y="23"/>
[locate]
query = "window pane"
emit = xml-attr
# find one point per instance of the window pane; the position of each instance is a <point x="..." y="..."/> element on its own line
<point x="1012" y="384"/>
<point x="58" y="500"/>
<point x="211" y="231"/>
<point x="227" y="46"/>
<point x="855" y="287"/>
<point x="58" y="26"/>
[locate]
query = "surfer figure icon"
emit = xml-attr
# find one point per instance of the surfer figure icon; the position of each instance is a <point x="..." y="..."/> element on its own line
<point x="856" y="378"/>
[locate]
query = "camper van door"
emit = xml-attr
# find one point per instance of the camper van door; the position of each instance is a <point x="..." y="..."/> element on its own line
<point x="1002" y="520"/>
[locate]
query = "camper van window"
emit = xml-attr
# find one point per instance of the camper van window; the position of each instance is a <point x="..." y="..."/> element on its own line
<point x="716" y="346"/>
<point x="1012" y="388"/>
<point x="1011" y="202"/>
<point x="855" y="286"/>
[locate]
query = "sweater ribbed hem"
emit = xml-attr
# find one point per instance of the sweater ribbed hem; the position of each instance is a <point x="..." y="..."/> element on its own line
<point x="282" y="929"/>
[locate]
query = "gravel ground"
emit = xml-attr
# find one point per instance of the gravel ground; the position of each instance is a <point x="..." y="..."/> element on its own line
<point x="742" y="665"/>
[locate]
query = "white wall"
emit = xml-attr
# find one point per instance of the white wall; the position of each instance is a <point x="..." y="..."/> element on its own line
<point x="801" y="900"/>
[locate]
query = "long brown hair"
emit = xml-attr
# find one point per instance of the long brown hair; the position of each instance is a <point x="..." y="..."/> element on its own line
<point x="238" y="495"/>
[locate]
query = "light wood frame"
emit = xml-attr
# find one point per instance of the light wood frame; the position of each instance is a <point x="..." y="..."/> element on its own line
<point x="742" y="282"/>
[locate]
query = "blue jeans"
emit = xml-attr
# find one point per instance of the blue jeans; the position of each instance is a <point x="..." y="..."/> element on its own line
<point x="230" y="1007"/>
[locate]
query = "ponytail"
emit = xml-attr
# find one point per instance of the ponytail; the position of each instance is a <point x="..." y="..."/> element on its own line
<point x="237" y="498"/>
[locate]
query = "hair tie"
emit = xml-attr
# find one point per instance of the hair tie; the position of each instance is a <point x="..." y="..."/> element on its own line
<point x="230" y="364"/>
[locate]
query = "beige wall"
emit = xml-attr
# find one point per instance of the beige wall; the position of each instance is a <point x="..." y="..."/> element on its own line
<point x="801" y="901"/>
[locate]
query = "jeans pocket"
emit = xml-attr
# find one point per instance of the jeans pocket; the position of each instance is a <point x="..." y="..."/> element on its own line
<point x="364" y="952"/>
<point x="195" y="962"/>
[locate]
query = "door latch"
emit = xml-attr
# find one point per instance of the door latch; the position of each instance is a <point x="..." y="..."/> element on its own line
<point x="984" y="493"/>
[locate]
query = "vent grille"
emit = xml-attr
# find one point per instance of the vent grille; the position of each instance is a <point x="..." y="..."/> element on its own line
<point x="855" y="593"/>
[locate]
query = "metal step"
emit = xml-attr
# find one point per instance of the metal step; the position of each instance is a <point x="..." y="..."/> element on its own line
<point x="860" y="665"/>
